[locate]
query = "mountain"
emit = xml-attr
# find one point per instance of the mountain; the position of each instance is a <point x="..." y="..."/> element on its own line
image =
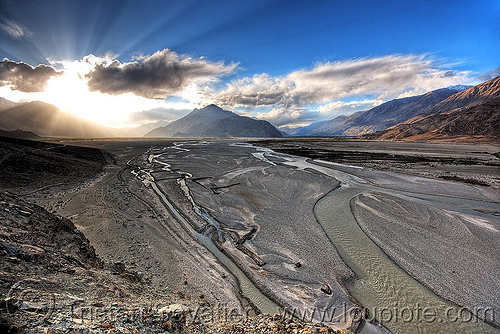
<point x="378" y="118"/>
<point x="213" y="121"/>
<point x="6" y="104"/>
<point x="141" y="130"/>
<point x="323" y="128"/>
<point x="459" y="88"/>
<point x="469" y="114"/>
<point x="20" y="134"/>
<point x="468" y="98"/>
<point x="480" y="121"/>
<point x="47" y="120"/>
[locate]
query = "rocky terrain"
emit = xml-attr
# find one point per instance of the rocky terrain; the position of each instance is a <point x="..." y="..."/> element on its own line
<point x="52" y="281"/>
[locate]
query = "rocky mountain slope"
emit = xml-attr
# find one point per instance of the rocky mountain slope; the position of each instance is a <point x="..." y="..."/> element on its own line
<point x="6" y="104"/>
<point x="47" y="120"/>
<point x="468" y="98"/>
<point x="480" y="122"/>
<point x="213" y="121"/>
<point x="377" y="118"/>
<point x="472" y="114"/>
<point x="322" y="128"/>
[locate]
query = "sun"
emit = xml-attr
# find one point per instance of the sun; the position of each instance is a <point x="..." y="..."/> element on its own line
<point x="70" y="93"/>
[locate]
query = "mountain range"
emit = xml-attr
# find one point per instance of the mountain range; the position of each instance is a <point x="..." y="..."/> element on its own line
<point x="47" y="120"/>
<point x="459" y="112"/>
<point x="455" y="112"/>
<point x="472" y="113"/>
<point x="378" y="118"/>
<point x="213" y="121"/>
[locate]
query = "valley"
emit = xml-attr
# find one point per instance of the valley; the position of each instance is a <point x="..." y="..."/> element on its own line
<point x="229" y="223"/>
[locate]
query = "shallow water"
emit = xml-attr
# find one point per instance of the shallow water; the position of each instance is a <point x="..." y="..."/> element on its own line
<point x="248" y="289"/>
<point x="383" y="287"/>
<point x="393" y="297"/>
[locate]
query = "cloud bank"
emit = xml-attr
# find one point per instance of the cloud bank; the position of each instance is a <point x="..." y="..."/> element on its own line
<point x="25" y="78"/>
<point x="489" y="75"/>
<point x="326" y="84"/>
<point x="156" y="77"/>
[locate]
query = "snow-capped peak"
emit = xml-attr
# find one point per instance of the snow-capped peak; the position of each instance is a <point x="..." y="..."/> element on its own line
<point x="459" y="88"/>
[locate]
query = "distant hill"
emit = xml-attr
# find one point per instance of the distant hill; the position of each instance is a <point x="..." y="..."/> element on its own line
<point x="322" y="128"/>
<point x="47" y="120"/>
<point x="141" y="130"/>
<point x="20" y="134"/>
<point x="6" y="104"/>
<point x="378" y="118"/>
<point x="213" y="121"/>
<point x="472" y="113"/>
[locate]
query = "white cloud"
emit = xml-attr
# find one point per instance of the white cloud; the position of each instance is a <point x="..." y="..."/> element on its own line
<point x="489" y="75"/>
<point x="14" y="30"/>
<point x="289" y="116"/>
<point x="339" y="107"/>
<point x="382" y="78"/>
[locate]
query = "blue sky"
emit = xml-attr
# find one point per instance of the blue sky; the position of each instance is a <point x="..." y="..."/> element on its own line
<point x="290" y="62"/>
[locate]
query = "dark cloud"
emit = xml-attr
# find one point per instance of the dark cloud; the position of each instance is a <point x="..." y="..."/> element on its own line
<point x="157" y="76"/>
<point x="24" y="77"/>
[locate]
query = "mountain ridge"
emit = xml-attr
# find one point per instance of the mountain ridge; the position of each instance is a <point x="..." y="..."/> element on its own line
<point x="378" y="118"/>
<point x="47" y="120"/>
<point x="472" y="113"/>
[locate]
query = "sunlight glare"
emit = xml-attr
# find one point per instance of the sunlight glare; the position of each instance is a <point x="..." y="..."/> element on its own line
<point x="69" y="92"/>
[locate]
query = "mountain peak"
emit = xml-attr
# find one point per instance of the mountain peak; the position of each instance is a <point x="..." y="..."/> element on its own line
<point x="212" y="108"/>
<point x="213" y="121"/>
<point x="459" y="88"/>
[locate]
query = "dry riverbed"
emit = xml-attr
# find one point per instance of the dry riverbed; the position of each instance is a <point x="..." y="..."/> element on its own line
<point x="167" y="209"/>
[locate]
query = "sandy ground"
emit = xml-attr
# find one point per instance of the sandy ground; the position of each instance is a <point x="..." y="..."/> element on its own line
<point x="467" y="163"/>
<point x="454" y="254"/>
<point x="126" y="222"/>
<point x="245" y="194"/>
<point x="265" y="220"/>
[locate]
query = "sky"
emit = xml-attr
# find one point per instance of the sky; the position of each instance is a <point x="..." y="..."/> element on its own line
<point x="129" y="62"/>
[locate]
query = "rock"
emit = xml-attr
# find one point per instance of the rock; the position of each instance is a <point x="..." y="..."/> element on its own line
<point x="326" y="289"/>
<point x="10" y="249"/>
<point x="175" y="309"/>
<point x="119" y="268"/>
